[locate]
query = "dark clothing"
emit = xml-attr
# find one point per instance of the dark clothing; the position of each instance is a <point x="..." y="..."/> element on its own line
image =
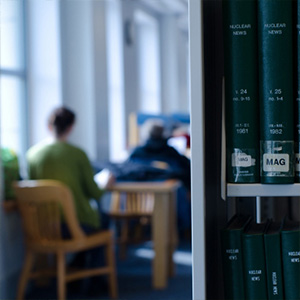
<point x="144" y="164"/>
<point x="178" y="166"/>
<point x="95" y="256"/>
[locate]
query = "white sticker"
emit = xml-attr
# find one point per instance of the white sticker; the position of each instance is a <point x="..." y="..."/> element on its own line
<point x="275" y="162"/>
<point x="240" y="160"/>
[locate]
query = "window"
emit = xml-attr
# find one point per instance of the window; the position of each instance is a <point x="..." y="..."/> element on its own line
<point x="148" y="62"/>
<point x="44" y="65"/>
<point x="12" y="75"/>
<point x="116" y="83"/>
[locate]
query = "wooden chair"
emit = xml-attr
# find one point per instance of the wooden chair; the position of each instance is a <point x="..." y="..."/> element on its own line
<point x="127" y="206"/>
<point x="41" y="204"/>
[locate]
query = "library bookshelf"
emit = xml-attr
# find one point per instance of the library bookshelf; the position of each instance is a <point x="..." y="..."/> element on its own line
<point x="209" y="188"/>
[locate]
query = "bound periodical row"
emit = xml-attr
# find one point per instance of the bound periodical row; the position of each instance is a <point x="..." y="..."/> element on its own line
<point x="261" y="261"/>
<point x="262" y="90"/>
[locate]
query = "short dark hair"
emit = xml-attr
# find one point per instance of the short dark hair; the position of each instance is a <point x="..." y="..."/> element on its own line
<point x="61" y="119"/>
<point x="156" y="132"/>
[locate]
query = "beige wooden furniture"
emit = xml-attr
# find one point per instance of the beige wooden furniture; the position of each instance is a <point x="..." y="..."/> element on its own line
<point x="128" y="206"/>
<point x="133" y="131"/>
<point x="164" y="229"/>
<point x="41" y="203"/>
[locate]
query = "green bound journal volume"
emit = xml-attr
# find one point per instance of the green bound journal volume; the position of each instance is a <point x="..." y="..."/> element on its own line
<point x="290" y="242"/>
<point x="297" y="90"/>
<point x="241" y="90"/>
<point x="273" y="261"/>
<point x="275" y="48"/>
<point x="232" y="257"/>
<point x="254" y="262"/>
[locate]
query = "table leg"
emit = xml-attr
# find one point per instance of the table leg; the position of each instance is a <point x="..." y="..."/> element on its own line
<point x="173" y="241"/>
<point x="161" y="234"/>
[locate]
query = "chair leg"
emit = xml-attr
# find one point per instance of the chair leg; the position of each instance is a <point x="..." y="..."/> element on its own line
<point x="61" y="276"/>
<point x="25" y="275"/>
<point x="124" y="239"/>
<point x="112" y="277"/>
<point x="42" y="263"/>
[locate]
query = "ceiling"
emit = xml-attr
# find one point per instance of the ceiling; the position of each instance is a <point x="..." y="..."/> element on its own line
<point x="179" y="8"/>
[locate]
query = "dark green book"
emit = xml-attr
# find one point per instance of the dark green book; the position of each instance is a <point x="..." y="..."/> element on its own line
<point x="254" y="262"/>
<point x="297" y="90"/>
<point x="273" y="261"/>
<point x="290" y="243"/>
<point x="241" y="90"/>
<point x="232" y="257"/>
<point x="275" y="44"/>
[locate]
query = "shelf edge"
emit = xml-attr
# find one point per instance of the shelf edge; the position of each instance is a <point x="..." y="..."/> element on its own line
<point x="263" y="190"/>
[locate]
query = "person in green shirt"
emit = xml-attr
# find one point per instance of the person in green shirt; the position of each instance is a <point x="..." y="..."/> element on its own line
<point x="57" y="159"/>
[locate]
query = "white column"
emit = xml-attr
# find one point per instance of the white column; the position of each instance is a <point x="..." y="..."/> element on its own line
<point x="148" y="61"/>
<point x="169" y="64"/>
<point x="198" y="159"/>
<point x="130" y="60"/>
<point x="100" y="79"/>
<point x="183" y="104"/>
<point x="115" y="75"/>
<point x="78" y="71"/>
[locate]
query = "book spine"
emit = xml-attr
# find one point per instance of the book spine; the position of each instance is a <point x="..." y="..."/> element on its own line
<point x="254" y="267"/>
<point x="275" y="44"/>
<point x="290" y="241"/>
<point x="273" y="266"/>
<point x="232" y="257"/>
<point x="241" y="90"/>
<point x="297" y="91"/>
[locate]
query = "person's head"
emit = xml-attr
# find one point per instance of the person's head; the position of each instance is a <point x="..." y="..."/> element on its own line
<point x="156" y="132"/>
<point x="61" y="121"/>
<point x="153" y="129"/>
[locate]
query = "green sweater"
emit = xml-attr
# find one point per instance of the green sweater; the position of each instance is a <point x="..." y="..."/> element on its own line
<point x="70" y="165"/>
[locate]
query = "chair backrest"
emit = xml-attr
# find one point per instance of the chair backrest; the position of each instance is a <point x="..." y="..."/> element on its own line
<point x="43" y="204"/>
<point x="131" y="204"/>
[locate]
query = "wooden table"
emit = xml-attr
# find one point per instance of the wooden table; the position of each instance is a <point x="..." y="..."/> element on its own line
<point x="164" y="229"/>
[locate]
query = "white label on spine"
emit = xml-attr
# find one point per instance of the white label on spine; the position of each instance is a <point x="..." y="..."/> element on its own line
<point x="275" y="162"/>
<point x="241" y="160"/>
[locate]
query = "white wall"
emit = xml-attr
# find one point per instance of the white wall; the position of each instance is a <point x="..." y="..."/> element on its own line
<point x="100" y="79"/>
<point x="174" y="66"/>
<point x="169" y="66"/>
<point x="183" y="104"/>
<point x="198" y="159"/>
<point x="91" y="87"/>
<point x="148" y="60"/>
<point x="116" y="90"/>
